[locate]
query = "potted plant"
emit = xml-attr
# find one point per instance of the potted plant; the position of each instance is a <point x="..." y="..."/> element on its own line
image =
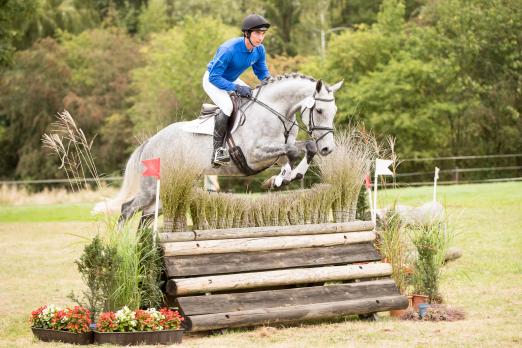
<point x="128" y="327"/>
<point x="431" y="242"/>
<point x="69" y="325"/>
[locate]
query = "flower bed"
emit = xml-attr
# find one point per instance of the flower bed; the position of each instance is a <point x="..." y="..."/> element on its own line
<point x="149" y="326"/>
<point x="69" y="325"/>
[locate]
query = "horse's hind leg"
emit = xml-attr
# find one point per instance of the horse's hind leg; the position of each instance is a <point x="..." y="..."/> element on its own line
<point x="147" y="217"/>
<point x="143" y="199"/>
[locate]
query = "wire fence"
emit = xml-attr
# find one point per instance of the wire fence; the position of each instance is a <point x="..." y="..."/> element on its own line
<point x="453" y="170"/>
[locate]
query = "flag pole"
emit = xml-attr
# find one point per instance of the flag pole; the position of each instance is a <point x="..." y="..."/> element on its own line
<point x="368" y="185"/>
<point x="375" y="197"/>
<point x="156" y="212"/>
<point x="435" y="178"/>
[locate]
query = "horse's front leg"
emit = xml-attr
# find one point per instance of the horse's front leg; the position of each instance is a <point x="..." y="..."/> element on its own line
<point x="306" y="149"/>
<point x="284" y="154"/>
<point x="272" y="152"/>
<point x="309" y="149"/>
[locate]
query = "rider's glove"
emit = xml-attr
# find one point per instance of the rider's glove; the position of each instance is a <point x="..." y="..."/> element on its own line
<point x="244" y="91"/>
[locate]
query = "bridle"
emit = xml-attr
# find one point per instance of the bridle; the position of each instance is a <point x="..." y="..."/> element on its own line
<point x="311" y="124"/>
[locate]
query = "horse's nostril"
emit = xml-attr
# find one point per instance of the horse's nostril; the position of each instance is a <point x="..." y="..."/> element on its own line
<point x="325" y="150"/>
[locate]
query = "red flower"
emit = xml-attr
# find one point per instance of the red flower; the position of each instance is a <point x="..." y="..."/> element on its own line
<point x="107" y="322"/>
<point x="172" y="319"/>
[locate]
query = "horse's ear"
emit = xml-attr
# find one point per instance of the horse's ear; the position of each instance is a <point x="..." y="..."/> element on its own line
<point x="318" y="86"/>
<point x="335" y="87"/>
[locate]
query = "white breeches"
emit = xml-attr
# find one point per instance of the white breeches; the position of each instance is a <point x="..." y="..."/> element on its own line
<point x="220" y="97"/>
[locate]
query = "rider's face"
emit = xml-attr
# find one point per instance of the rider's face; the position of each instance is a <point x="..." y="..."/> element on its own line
<point x="257" y="37"/>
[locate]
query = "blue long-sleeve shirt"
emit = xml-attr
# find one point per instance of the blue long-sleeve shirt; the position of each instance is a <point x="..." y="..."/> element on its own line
<point x="232" y="59"/>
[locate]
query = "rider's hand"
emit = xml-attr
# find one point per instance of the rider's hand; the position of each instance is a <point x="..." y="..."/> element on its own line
<point x="244" y="91"/>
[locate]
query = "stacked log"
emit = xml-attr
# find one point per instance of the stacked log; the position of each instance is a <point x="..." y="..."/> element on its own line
<point x="253" y="276"/>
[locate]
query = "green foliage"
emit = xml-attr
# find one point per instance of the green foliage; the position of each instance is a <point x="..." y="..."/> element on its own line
<point x="50" y="17"/>
<point x="431" y="242"/>
<point x="169" y="86"/>
<point x="137" y="279"/>
<point x="392" y="245"/>
<point x="153" y="18"/>
<point x="443" y="77"/>
<point x="284" y="16"/>
<point x="86" y="74"/>
<point x="13" y="14"/>
<point x="229" y="12"/>
<point x="442" y="84"/>
<point x="97" y="267"/>
<point x="30" y="93"/>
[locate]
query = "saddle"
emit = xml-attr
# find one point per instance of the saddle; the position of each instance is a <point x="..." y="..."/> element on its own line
<point x="211" y="110"/>
<point x="204" y="124"/>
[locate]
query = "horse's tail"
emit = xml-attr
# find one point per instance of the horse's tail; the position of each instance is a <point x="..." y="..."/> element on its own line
<point x="129" y="187"/>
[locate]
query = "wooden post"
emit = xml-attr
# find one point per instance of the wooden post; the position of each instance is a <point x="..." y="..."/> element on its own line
<point x="288" y="314"/>
<point x="187" y="286"/>
<point x="264" y="243"/>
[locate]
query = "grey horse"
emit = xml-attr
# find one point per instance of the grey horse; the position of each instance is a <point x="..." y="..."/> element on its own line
<point x="266" y="136"/>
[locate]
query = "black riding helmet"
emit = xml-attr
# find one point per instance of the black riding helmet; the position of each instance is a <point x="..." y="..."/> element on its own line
<point x="254" y="22"/>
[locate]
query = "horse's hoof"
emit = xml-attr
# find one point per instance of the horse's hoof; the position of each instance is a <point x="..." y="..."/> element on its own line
<point x="298" y="176"/>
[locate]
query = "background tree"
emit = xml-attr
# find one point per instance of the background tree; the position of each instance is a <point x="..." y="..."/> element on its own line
<point x="153" y="18"/>
<point x="284" y="16"/>
<point x="30" y="94"/>
<point x="13" y="15"/>
<point x="169" y="85"/>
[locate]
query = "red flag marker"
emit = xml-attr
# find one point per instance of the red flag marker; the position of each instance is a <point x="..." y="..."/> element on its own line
<point x="367" y="182"/>
<point x="152" y="167"/>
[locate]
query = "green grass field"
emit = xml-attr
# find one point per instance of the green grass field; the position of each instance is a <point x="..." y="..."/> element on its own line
<point x="40" y="243"/>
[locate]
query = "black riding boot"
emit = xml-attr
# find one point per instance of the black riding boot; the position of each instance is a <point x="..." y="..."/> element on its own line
<point x="220" y="154"/>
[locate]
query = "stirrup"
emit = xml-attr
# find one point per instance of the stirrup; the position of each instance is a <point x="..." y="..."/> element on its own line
<point x="221" y="156"/>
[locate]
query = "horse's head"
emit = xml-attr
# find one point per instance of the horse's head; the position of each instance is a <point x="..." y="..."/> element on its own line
<point x="318" y="114"/>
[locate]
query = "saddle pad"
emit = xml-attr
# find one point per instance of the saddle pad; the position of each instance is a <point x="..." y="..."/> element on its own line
<point x="205" y="125"/>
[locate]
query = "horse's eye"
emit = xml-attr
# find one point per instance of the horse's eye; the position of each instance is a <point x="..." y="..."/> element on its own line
<point x="319" y="111"/>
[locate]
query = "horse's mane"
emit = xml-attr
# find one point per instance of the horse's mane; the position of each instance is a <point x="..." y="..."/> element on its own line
<point x="275" y="79"/>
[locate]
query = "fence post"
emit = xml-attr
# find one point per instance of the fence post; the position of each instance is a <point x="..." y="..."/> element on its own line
<point x="457" y="175"/>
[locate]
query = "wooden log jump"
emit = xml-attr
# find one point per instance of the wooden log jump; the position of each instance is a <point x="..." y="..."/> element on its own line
<point x="245" y="277"/>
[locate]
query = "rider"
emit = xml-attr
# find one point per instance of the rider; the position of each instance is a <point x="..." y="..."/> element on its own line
<point x="222" y="76"/>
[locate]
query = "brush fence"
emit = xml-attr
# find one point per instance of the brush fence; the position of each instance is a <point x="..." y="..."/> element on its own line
<point x="253" y="276"/>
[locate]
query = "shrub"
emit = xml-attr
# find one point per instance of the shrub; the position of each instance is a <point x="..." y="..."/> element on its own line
<point x="97" y="267"/>
<point x="431" y="242"/>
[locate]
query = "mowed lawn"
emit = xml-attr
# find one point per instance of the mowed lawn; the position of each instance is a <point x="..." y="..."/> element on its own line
<point x="39" y="244"/>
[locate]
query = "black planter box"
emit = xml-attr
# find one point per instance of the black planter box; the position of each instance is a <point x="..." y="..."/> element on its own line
<point x="48" y="335"/>
<point x="139" y="337"/>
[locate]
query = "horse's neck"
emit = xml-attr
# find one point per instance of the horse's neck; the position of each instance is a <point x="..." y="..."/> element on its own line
<point x="284" y="94"/>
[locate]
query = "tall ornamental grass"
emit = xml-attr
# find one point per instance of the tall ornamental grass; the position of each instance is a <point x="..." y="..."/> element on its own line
<point x="139" y="266"/>
<point x="179" y="179"/>
<point x="345" y="168"/>
<point x="393" y="246"/>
